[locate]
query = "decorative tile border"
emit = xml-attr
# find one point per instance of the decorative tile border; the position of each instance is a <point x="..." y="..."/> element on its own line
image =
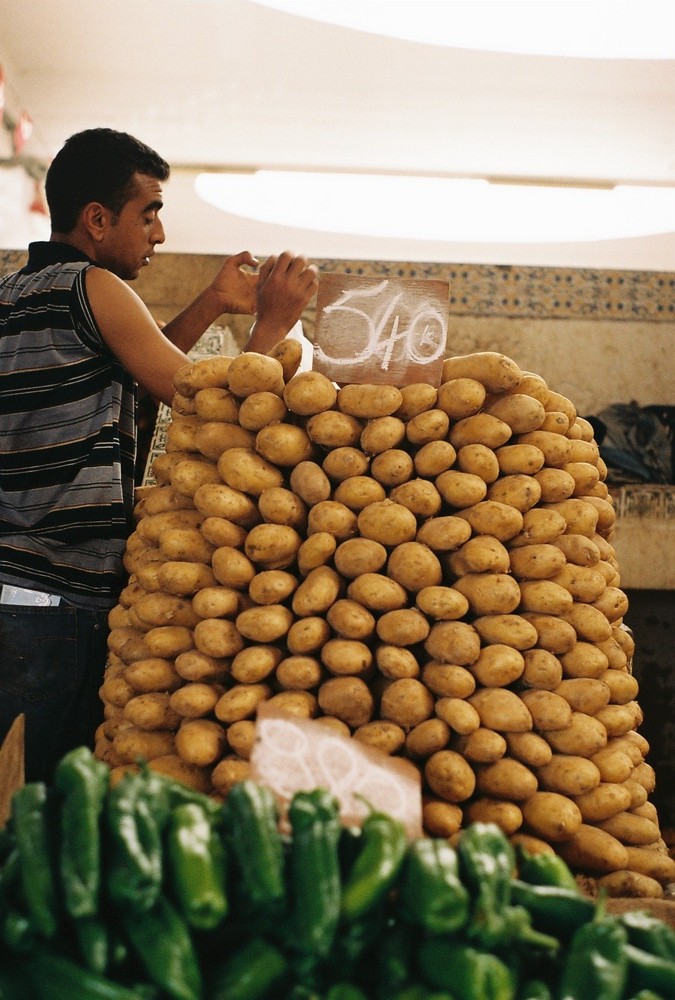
<point x="637" y="502"/>
<point x="506" y="291"/>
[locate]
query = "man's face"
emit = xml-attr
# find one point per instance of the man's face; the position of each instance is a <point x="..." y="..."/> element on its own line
<point x="131" y="236"/>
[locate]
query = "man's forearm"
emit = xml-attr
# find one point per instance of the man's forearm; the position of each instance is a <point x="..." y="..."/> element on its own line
<point x="185" y="329"/>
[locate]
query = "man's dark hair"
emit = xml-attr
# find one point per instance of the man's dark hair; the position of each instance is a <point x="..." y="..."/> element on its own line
<point x="97" y="165"/>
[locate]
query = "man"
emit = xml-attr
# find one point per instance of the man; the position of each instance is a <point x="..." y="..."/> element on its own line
<point x="75" y="340"/>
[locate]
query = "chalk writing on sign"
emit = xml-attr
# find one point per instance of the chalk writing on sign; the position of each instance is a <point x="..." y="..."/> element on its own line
<point x="380" y="330"/>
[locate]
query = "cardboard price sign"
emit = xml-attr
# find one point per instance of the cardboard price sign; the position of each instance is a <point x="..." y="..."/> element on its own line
<point x="382" y="331"/>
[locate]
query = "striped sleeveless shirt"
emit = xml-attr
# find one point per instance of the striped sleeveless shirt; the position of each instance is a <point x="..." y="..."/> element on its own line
<point x="67" y="435"/>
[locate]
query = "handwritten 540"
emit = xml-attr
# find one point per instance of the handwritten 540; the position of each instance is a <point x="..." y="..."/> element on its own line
<point x="388" y="329"/>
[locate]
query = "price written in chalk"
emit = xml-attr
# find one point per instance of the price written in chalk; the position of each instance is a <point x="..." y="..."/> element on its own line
<point x="380" y="330"/>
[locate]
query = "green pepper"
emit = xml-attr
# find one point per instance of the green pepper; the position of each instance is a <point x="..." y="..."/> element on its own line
<point x="431" y="893"/>
<point x="135" y="867"/>
<point x="534" y="989"/>
<point x="255" y="971"/>
<point x="14" y="984"/>
<point x="545" y="869"/>
<point x="647" y="995"/>
<point x="196" y="866"/>
<point x="466" y="972"/>
<point x="356" y="940"/>
<point x="250" y="819"/>
<point x="647" y="932"/>
<point x="16" y="929"/>
<point x="345" y="991"/>
<point x="83" y="783"/>
<point x="596" y="966"/>
<point x="55" y="977"/>
<point x="650" y="972"/>
<point x="379" y="859"/>
<point x="314" y="870"/>
<point x="554" y="909"/>
<point x="392" y="960"/>
<point x="93" y="942"/>
<point x="162" y="941"/>
<point x="487" y="861"/>
<point x="33" y="822"/>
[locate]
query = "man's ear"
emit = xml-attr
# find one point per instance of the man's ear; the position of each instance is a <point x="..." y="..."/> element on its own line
<point x="95" y="219"/>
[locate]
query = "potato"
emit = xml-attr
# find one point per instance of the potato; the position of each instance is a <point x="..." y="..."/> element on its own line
<point x="407" y="702"/>
<point x="229" y="772"/>
<point x="211" y="371"/>
<point x="415" y="398"/>
<point x="501" y="709"/>
<point x="232" y="568"/>
<point x="536" y="562"/>
<point x="180" y="434"/>
<point x="614" y="766"/>
<point x="116" y="690"/>
<point x="544" y="597"/>
<point x="448" y="680"/>
<point x="189" y="474"/>
<point x="608" y="799"/>
<point x="273" y="546"/>
<point x="453" y="642"/>
<point x="388" y="523"/>
<point x="481" y="428"/>
<point x="152" y="674"/>
<point x="307" y="635"/>
<point x="309" y="482"/>
<point x="316" y="550"/>
<point x="445" y="533"/>
<point x="271" y="586"/>
<point x="480" y="554"/>
<point x="355" y="556"/>
<point x="260" y="409"/>
<point x="432" y="425"/>
<point x="217" y="637"/>
<point x="613" y="603"/>
<point x="309" y="392"/>
<point x="200" y="742"/>
<point x="616" y="658"/>
<point x="160" y="500"/>
<point x="519" y="491"/>
<point x="219" y="531"/>
<point x="395" y="662"/>
<point x="506" y="779"/>
<point x="278" y="505"/>
<point x="196" y="666"/>
<point x="554" y="485"/>
<point x="590" y="624"/>
<point x="549" y="711"/>
<point x="584" y="583"/>
<point x="442" y="603"/>
<point x="498" y="666"/>
<point x="402" y="627"/>
<point x="346" y="656"/>
<point x="439" y="818"/>
<point x="627" y="884"/>
<point x="490" y="517"/>
<point x="241" y="737"/>
<point x="288" y="353"/>
<point x="540" y="526"/>
<point x="250" y="372"/>
<point x="461" y="397"/>
<point x="414" y="566"/>
<point x="254" y="664"/>
<point x="511" y="630"/>
<point x="133" y="744"/>
<point x="594" y="850"/>
<point x="241" y="702"/>
<point x="214" y="437"/>
<point x="584" y="694"/>
<point x="525" y="459"/>
<point x="458" y="714"/>
<point x="249" y="473"/>
<point x="420" y="497"/>
<point x="478" y="460"/>
<point x="529" y="748"/>
<point x="317" y="592"/>
<point x="185" y="544"/>
<point x="616" y="719"/>
<point x="332" y="429"/>
<point x="429" y="736"/>
<point x="348" y="699"/>
<point x="495" y="371"/>
<point x="552" y="816"/>
<point x="585" y="659"/>
<point x="449" y="776"/>
<point x="556" y="422"/>
<point x="585" y="735"/>
<point x="165" y="609"/>
<point x="342" y="462"/>
<point x="388" y="737"/>
<point x="194" y="701"/>
<point x="460" y="489"/>
<point x="555" y="447"/>
<point x="152" y="527"/>
<point x="650" y="862"/>
<point x="167" y="641"/>
<point x="489" y="593"/>
<point x="569" y="774"/>
<point x="359" y="491"/>
<point x="285" y="444"/>
<point x="433" y="458"/>
<point x="482" y="746"/>
<point x="263" y="624"/>
<point x="172" y="766"/>
<point x="506" y="815"/>
<point x="369" y="401"/>
<point x="521" y="412"/>
<point x="542" y="670"/>
<point x="333" y="517"/>
<point x="392" y="467"/>
<point x="299" y="673"/>
<point x="606" y="514"/>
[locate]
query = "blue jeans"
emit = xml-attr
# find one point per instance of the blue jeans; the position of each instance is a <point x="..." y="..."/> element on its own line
<point x="52" y="661"/>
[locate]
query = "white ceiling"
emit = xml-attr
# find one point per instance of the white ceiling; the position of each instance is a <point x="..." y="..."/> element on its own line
<point x="233" y="83"/>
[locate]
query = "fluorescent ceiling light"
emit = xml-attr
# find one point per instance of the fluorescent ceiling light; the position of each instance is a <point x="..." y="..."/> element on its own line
<point x="576" y="28"/>
<point x="440" y="209"/>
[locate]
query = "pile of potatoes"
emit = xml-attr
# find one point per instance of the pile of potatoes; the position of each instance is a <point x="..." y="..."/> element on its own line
<point x="428" y="570"/>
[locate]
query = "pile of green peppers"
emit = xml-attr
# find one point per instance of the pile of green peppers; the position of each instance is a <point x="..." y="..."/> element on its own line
<point x="148" y="890"/>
